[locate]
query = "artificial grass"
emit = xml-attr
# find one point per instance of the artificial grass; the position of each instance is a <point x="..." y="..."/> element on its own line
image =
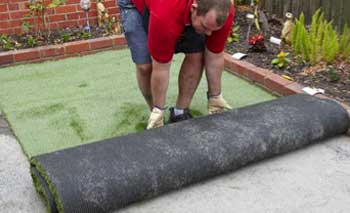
<point x="56" y="105"/>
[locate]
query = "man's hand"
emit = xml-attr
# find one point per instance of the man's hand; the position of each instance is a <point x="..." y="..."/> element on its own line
<point x="217" y="104"/>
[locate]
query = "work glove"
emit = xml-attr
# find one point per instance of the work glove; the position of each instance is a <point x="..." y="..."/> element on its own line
<point x="156" y="118"/>
<point x="217" y="104"/>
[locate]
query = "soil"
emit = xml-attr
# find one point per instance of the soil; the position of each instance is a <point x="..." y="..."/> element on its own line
<point x="334" y="79"/>
<point x="58" y="36"/>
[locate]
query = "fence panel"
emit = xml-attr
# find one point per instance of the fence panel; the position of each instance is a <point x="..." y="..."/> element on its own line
<point x="336" y="10"/>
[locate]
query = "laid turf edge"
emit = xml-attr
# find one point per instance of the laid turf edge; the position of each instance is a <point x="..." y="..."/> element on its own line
<point x="37" y="172"/>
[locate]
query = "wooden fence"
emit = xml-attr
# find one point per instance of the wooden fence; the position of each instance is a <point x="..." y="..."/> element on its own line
<point x="336" y="10"/>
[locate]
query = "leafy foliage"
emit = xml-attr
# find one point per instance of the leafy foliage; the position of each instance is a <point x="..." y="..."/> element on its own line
<point x="344" y="43"/>
<point x="32" y="42"/>
<point x="321" y="41"/>
<point x="39" y="9"/>
<point x="234" y="35"/>
<point x="333" y="75"/>
<point x="281" y="60"/>
<point x="6" y="42"/>
<point x="65" y="36"/>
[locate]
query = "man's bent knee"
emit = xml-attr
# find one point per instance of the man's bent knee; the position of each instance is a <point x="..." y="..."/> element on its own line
<point x="144" y="69"/>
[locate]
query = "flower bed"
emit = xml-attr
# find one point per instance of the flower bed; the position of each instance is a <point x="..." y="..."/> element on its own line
<point x="59" y="51"/>
<point x="334" y="78"/>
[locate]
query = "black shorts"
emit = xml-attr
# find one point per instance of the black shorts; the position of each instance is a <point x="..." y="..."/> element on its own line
<point x="189" y="42"/>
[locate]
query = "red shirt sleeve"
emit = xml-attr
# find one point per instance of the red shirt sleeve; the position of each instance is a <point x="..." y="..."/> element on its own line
<point x="161" y="41"/>
<point x="217" y="40"/>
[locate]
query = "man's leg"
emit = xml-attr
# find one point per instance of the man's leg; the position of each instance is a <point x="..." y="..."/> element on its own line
<point x="136" y="36"/>
<point x="192" y="44"/>
<point x="159" y="87"/>
<point x="214" y="65"/>
<point x="143" y="75"/>
<point x="190" y="75"/>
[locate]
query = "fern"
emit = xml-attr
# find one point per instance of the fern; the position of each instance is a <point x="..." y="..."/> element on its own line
<point x="330" y="44"/>
<point x="344" y="43"/>
<point x="334" y="46"/>
<point x="297" y="35"/>
<point x="316" y="34"/>
<point x="305" y="43"/>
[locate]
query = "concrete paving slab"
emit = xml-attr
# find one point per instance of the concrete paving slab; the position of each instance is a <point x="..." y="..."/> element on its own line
<point x="315" y="179"/>
<point x="17" y="193"/>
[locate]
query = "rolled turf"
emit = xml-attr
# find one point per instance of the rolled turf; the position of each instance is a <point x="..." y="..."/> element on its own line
<point x="67" y="103"/>
<point x="110" y="174"/>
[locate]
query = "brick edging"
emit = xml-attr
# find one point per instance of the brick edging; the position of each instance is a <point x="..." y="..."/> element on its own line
<point x="267" y="79"/>
<point x="59" y="51"/>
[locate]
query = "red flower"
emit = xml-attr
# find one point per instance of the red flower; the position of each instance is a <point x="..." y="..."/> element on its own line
<point x="255" y="39"/>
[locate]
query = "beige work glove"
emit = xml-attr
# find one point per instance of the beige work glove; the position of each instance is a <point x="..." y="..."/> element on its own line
<point x="217" y="104"/>
<point x="156" y="118"/>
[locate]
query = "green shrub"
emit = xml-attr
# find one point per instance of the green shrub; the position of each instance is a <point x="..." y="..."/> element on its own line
<point x="65" y="36"/>
<point x="333" y="75"/>
<point x="320" y="42"/>
<point x="330" y="44"/>
<point x="32" y="42"/>
<point x="344" y="43"/>
<point x="281" y="60"/>
<point x="6" y="42"/>
<point x="233" y="36"/>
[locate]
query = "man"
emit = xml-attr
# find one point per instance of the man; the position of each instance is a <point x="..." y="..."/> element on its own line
<point x="156" y="29"/>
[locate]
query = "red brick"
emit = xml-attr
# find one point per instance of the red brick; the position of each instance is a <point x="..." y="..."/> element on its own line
<point x="61" y="57"/>
<point x="3" y="7"/>
<point x="91" y="52"/>
<point x="113" y="11"/>
<point x="227" y="61"/>
<point x="258" y="74"/>
<point x="72" y="16"/>
<point x="118" y="40"/>
<point x="6" y="31"/>
<point x="109" y="4"/>
<point x="6" y="58"/>
<point x="17" y="30"/>
<point x="100" y="43"/>
<point x="92" y="13"/>
<point x="18" y="14"/>
<point x="81" y="22"/>
<point x="52" y="50"/>
<point x="53" y="26"/>
<point x="76" y="47"/>
<point x="65" y="24"/>
<point x="50" y="12"/>
<point x="4" y="16"/>
<point x="15" y="23"/>
<point x="15" y="1"/>
<point x="294" y="88"/>
<point x="241" y="67"/>
<point x="4" y="24"/>
<point x="24" y="5"/>
<point x="93" y="21"/>
<point x="13" y="6"/>
<point x="66" y="9"/>
<point x="72" y="2"/>
<point x="56" y="18"/>
<point x="26" y="55"/>
<point x="277" y="84"/>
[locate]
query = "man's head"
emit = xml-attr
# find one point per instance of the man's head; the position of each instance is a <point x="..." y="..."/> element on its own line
<point x="209" y="15"/>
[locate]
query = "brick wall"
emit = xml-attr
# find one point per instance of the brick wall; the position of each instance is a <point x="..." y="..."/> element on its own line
<point x="69" y="14"/>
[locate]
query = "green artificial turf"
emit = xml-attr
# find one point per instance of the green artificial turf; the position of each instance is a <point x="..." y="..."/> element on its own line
<point x="55" y="105"/>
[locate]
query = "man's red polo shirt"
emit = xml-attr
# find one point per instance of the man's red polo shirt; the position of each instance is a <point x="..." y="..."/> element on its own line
<point x="168" y="19"/>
